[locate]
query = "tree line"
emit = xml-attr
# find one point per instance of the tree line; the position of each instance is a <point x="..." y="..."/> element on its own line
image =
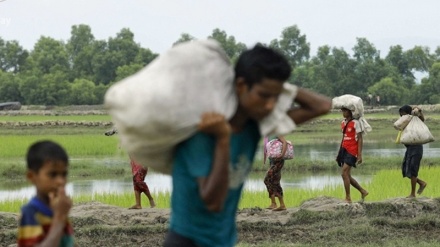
<point x="80" y="70"/>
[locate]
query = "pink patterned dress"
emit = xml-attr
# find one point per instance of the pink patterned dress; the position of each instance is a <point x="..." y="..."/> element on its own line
<point x="139" y="173"/>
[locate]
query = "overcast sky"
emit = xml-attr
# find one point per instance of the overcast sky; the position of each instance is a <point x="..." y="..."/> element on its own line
<point x="159" y="23"/>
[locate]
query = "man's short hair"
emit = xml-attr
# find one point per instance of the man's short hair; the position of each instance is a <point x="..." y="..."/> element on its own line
<point x="43" y="151"/>
<point x="261" y="62"/>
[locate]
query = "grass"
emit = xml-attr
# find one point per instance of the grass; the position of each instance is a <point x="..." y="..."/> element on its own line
<point x="125" y="200"/>
<point x="97" y="156"/>
<point x="87" y="145"/>
<point x="386" y="184"/>
<point x="404" y="242"/>
<point x="42" y="118"/>
<point x="75" y="145"/>
<point x="373" y="227"/>
<point x="14" y="170"/>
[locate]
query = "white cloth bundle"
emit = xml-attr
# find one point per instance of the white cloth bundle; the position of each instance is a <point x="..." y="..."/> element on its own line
<point x="402" y="122"/>
<point x="356" y="106"/>
<point x="416" y="132"/>
<point x="161" y="105"/>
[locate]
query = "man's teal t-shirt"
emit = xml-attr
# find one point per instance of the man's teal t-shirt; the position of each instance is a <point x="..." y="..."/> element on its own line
<point x="193" y="159"/>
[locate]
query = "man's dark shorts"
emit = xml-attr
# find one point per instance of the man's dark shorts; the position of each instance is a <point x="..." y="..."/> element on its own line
<point x="411" y="161"/>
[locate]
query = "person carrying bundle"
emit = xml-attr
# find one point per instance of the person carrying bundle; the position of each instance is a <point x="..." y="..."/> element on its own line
<point x="193" y="116"/>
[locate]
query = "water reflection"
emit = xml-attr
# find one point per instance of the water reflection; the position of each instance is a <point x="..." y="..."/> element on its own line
<point x="162" y="183"/>
<point x="156" y="183"/>
<point x="327" y="151"/>
<point x="159" y="183"/>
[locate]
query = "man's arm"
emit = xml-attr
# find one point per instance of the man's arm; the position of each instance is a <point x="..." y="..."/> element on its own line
<point x="311" y="105"/>
<point x="284" y="148"/>
<point x="213" y="189"/>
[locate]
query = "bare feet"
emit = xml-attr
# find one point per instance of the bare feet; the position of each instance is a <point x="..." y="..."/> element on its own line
<point x="411" y="196"/>
<point x="363" y="195"/>
<point x="272" y="206"/>
<point x="348" y="199"/>
<point x="280" y="208"/>
<point x="421" y="188"/>
<point x="135" y="207"/>
<point x="152" y="204"/>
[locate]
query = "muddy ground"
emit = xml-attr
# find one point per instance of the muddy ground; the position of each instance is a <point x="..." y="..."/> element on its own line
<point x="321" y="221"/>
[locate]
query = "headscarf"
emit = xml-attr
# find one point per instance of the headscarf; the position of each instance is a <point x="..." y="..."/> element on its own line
<point x="406" y="109"/>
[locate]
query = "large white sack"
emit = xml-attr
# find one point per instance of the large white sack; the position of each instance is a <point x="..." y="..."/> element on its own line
<point x="355" y="105"/>
<point x="416" y="132"/>
<point x="402" y="122"/>
<point x="161" y="105"/>
<point x="351" y="102"/>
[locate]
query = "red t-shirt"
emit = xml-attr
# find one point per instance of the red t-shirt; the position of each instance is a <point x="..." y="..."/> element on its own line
<point x="350" y="141"/>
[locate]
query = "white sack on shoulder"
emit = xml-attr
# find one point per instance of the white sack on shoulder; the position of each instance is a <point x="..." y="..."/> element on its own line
<point x="402" y="122"/>
<point x="278" y="122"/>
<point x="356" y="106"/>
<point x="161" y="105"/>
<point x="416" y="132"/>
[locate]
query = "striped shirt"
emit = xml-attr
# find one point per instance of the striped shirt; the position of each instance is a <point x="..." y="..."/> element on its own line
<point x="35" y="222"/>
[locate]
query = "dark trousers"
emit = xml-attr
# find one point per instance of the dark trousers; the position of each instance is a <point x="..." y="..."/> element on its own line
<point x="174" y="239"/>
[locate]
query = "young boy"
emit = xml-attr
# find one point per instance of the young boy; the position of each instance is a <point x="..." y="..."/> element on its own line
<point x="44" y="220"/>
<point x="210" y="167"/>
<point x="139" y="185"/>
<point x="139" y="173"/>
<point x="351" y="155"/>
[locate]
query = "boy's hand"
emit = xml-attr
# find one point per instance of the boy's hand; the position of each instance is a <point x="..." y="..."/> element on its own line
<point x="60" y="203"/>
<point x="416" y="111"/>
<point x="279" y="158"/>
<point x="215" y="124"/>
<point x="359" y="160"/>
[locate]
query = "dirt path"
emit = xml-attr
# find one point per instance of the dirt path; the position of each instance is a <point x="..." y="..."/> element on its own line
<point x="321" y="221"/>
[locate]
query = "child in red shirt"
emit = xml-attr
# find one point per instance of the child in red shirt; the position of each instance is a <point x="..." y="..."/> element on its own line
<point x="352" y="144"/>
<point x="139" y="185"/>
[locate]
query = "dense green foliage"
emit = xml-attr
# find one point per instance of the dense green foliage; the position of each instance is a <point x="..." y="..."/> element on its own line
<point x="80" y="70"/>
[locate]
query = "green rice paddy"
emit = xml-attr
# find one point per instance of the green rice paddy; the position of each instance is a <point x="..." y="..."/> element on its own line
<point x="90" y="142"/>
<point x="76" y="145"/>
<point x="386" y="184"/>
<point x="42" y="118"/>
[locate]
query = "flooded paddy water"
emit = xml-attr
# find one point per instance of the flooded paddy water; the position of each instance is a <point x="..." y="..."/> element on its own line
<point x="159" y="183"/>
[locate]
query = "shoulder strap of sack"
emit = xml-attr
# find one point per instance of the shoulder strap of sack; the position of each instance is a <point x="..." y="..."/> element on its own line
<point x="343" y="132"/>
<point x="345" y="127"/>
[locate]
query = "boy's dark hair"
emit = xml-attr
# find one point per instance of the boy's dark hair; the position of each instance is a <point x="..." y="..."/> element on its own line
<point x="405" y="109"/>
<point x="42" y="151"/>
<point x="261" y="62"/>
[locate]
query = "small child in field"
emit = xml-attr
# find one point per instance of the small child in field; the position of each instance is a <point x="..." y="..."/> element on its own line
<point x="44" y="220"/>
<point x="139" y="185"/>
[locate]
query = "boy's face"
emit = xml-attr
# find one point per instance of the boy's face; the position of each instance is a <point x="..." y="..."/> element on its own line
<point x="259" y="100"/>
<point x="51" y="176"/>
<point x="346" y="113"/>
